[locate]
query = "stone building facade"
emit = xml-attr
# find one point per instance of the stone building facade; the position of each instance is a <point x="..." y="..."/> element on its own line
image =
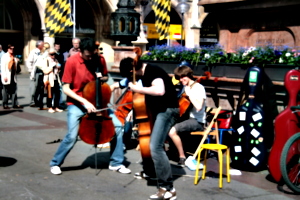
<point x="245" y="23"/>
<point x="232" y="23"/>
<point x="23" y="24"/>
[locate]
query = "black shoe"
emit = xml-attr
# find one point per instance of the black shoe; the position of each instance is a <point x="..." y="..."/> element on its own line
<point x="18" y="107"/>
<point x="163" y="194"/>
<point x="6" y="107"/>
<point x="181" y="162"/>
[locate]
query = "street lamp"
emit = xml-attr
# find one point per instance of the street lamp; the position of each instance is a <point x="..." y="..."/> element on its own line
<point x="182" y="7"/>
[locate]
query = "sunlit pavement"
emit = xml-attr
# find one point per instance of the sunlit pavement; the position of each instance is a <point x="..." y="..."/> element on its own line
<point x="25" y="174"/>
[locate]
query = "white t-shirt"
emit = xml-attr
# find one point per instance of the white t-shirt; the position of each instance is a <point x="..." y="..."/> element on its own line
<point x="198" y="92"/>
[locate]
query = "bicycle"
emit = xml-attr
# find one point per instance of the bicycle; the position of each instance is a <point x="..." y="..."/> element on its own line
<point x="290" y="160"/>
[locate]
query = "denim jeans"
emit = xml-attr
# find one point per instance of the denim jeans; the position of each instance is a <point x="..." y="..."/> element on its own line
<point x="163" y="123"/>
<point x="75" y="113"/>
<point x="10" y="91"/>
<point x="116" y="144"/>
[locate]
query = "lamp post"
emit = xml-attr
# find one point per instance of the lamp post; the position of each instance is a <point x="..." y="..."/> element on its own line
<point x="182" y="7"/>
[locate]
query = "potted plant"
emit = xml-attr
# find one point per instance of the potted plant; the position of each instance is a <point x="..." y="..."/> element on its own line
<point x="169" y="57"/>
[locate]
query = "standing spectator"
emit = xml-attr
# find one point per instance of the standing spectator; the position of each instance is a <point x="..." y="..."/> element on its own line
<point x="39" y="76"/>
<point x="1" y="53"/>
<point x="50" y="68"/>
<point x="1" y="86"/>
<point x="30" y="63"/>
<point x="75" y="49"/>
<point x="8" y="78"/>
<point x="61" y="60"/>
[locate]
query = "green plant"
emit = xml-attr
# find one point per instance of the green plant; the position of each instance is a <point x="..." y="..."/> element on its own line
<point x="216" y="54"/>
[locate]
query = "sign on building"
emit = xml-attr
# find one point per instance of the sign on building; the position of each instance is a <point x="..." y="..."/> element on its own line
<point x="175" y="31"/>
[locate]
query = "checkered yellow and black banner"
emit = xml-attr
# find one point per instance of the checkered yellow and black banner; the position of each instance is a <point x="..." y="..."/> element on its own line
<point x="162" y="10"/>
<point x="57" y="16"/>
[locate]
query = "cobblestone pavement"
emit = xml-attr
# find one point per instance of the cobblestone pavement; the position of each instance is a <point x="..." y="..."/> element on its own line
<point x="25" y="156"/>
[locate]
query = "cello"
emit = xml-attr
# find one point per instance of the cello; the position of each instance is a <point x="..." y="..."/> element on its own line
<point x="142" y="114"/>
<point x="97" y="128"/>
<point x="124" y="106"/>
<point x="286" y="123"/>
<point x="249" y="151"/>
<point x="184" y="102"/>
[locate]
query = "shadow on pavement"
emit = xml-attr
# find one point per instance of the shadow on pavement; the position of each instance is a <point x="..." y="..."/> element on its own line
<point x="6" y="161"/>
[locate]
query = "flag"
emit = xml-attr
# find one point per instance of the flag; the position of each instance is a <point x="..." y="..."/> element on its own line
<point x="57" y="16"/>
<point x="162" y="9"/>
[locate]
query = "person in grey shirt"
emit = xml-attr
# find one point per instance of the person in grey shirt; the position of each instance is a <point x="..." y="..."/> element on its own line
<point x="30" y="62"/>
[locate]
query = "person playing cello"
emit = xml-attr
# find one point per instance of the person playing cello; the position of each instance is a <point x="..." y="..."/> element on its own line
<point x="161" y="100"/>
<point x="196" y="119"/>
<point x="80" y="69"/>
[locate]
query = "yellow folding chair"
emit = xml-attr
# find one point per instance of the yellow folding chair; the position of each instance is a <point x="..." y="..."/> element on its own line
<point x="215" y="147"/>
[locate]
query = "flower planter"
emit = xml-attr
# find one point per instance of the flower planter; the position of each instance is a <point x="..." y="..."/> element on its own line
<point x="275" y="72"/>
<point x="234" y="70"/>
<point x="230" y="70"/>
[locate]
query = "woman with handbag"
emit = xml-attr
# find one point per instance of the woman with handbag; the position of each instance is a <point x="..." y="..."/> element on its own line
<point x="52" y="82"/>
<point x="50" y="67"/>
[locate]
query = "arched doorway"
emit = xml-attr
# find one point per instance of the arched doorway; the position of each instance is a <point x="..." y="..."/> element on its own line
<point x="11" y="26"/>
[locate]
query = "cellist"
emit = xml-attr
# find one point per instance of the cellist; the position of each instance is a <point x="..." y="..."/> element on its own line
<point x="196" y="112"/>
<point x="80" y="69"/>
<point x="161" y="101"/>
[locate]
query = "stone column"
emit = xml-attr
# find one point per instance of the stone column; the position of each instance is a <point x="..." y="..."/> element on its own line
<point x="120" y="53"/>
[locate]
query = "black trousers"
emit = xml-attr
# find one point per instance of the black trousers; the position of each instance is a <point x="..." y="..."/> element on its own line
<point x="39" y="92"/>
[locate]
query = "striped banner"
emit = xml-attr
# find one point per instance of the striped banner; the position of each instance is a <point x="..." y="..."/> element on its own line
<point x="162" y="9"/>
<point x="57" y="16"/>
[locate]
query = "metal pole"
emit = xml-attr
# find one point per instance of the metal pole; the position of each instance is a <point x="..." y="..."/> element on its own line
<point x="74" y="19"/>
<point x="182" y="14"/>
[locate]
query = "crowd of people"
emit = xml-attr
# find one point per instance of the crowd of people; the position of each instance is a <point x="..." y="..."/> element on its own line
<point x="53" y="74"/>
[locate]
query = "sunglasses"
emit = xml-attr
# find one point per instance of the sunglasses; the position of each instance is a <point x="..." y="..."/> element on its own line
<point x="52" y="54"/>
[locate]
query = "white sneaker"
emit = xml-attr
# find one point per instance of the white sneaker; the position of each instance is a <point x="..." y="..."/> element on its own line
<point x="50" y="110"/>
<point x="191" y="163"/>
<point x="235" y="172"/>
<point x="105" y="145"/>
<point x="164" y="194"/>
<point x="55" y="170"/>
<point x="121" y="168"/>
<point x="58" y="110"/>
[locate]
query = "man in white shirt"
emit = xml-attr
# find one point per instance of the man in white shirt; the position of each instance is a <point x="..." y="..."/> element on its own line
<point x="30" y="62"/>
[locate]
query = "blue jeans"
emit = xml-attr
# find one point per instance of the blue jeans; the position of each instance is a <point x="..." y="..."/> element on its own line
<point x="116" y="144"/>
<point x="75" y="113"/>
<point x="163" y="123"/>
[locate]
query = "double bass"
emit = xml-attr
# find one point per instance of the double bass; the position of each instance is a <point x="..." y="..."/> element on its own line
<point x="142" y="114"/>
<point x="286" y="123"/>
<point x="97" y="128"/>
<point x="249" y="150"/>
